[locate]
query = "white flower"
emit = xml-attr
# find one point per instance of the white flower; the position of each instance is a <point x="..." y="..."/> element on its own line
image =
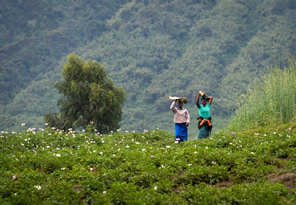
<point x="91" y="169"/>
<point x="58" y="155"/>
<point x="23" y="124"/>
<point x="63" y="168"/>
<point x="143" y="150"/>
<point x="195" y="152"/>
<point x="95" y="151"/>
<point x="168" y="146"/>
<point x="189" y="165"/>
<point x="127" y="146"/>
<point x="101" y="153"/>
<point x="206" y="147"/>
<point x="289" y="128"/>
<point x="155" y="188"/>
<point x="104" y="192"/>
<point x="252" y="153"/>
<point x="137" y="142"/>
<point x="38" y="187"/>
<point x="46" y="124"/>
<point x="132" y="140"/>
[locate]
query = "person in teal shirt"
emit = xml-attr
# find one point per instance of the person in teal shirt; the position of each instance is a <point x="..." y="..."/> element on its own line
<point x="204" y="120"/>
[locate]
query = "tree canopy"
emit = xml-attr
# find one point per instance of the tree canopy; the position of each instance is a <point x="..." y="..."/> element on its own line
<point x="88" y="97"/>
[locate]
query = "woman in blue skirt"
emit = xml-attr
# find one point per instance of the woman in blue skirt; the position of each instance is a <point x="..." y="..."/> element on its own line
<point x="204" y="120"/>
<point x="181" y="119"/>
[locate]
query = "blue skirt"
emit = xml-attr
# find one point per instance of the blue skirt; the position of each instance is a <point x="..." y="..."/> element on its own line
<point x="181" y="131"/>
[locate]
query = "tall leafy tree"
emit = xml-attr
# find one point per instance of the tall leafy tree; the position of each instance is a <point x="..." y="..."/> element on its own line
<point x="88" y="96"/>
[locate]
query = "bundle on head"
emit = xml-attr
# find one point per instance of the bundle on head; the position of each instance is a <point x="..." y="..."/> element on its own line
<point x="204" y="97"/>
<point x="184" y="100"/>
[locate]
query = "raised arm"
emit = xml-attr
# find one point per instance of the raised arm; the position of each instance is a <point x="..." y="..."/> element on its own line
<point x="172" y="107"/>
<point x="197" y="100"/>
<point x="210" y="100"/>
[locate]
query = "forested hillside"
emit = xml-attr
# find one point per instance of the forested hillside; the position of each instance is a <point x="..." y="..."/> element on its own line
<point x="152" y="48"/>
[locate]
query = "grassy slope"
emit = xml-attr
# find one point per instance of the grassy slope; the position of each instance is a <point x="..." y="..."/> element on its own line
<point x="254" y="167"/>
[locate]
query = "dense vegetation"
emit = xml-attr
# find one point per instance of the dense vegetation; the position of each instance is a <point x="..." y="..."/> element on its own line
<point x="55" y="167"/>
<point x="88" y="96"/>
<point x="152" y="48"/>
<point x="271" y="100"/>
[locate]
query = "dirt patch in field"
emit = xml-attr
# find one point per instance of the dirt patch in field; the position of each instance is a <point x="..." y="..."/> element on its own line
<point x="224" y="184"/>
<point x="280" y="162"/>
<point x="285" y="159"/>
<point x="288" y="179"/>
<point x="78" y="187"/>
<point x="177" y="190"/>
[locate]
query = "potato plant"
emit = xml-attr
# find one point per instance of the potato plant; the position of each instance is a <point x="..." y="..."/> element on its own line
<point x="66" y="167"/>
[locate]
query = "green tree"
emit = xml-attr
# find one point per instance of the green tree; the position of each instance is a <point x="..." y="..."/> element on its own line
<point x="88" y="96"/>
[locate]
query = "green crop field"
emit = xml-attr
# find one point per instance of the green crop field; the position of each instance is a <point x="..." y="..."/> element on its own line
<point x="56" y="167"/>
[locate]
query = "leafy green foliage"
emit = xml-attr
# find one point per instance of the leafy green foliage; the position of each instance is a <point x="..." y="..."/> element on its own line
<point x="88" y="96"/>
<point x="54" y="166"/>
